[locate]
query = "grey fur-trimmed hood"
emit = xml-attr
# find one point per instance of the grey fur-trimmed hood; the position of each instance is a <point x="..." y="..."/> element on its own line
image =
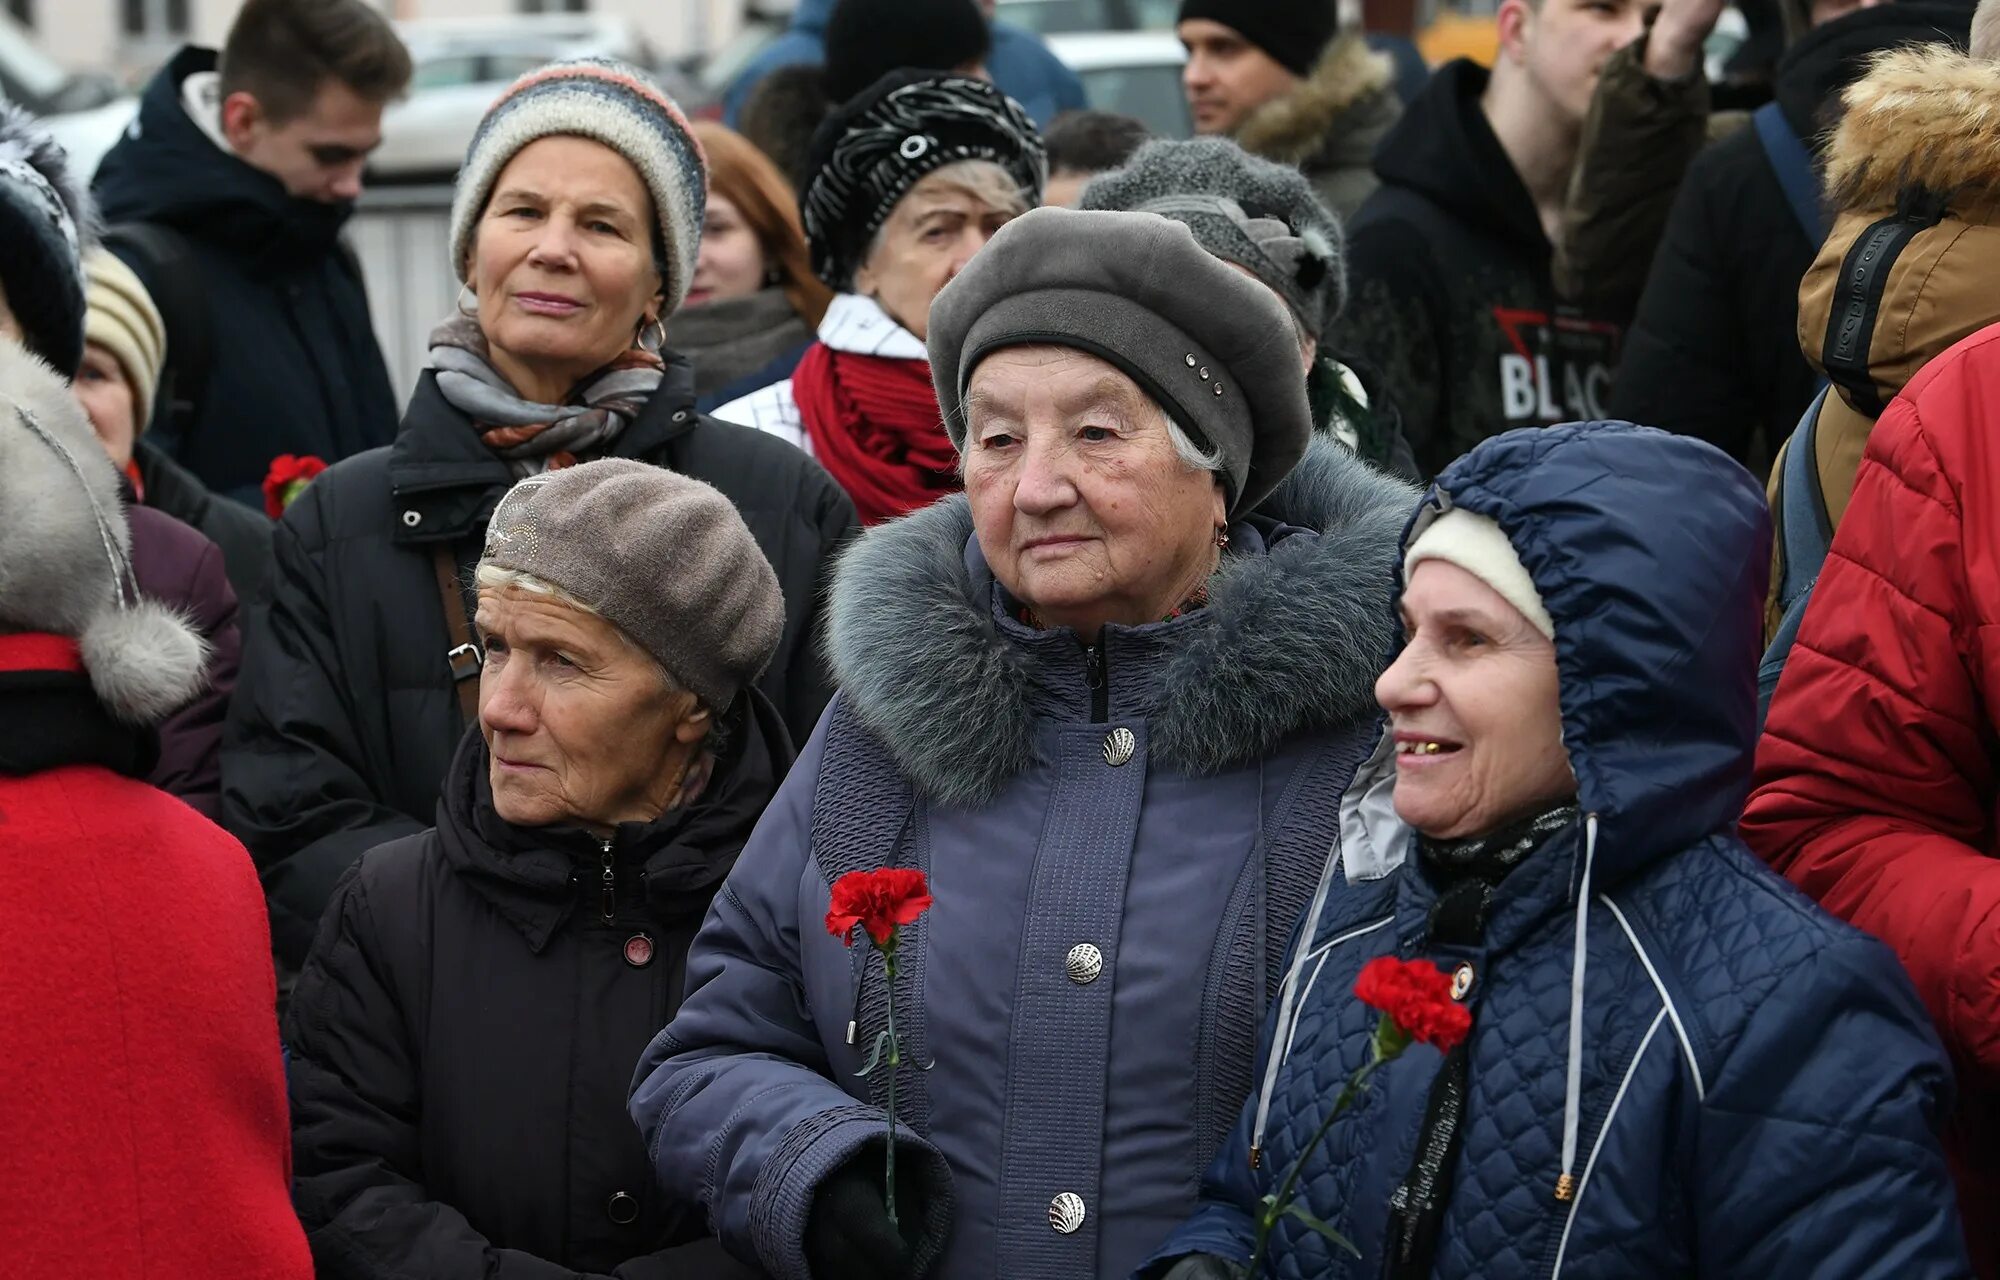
<point x="1291" y="640"/>
<point x="65" y="552"/>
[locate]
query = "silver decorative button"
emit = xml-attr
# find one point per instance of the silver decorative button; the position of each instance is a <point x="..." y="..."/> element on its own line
<point x="1119" y="745"/>
<point x="914" y="146"/>
<point x="413" y="518"/>
<point x="1190" y="359"/>
<point x="1066" y="1212"/>
<point x="1083" y="964"/>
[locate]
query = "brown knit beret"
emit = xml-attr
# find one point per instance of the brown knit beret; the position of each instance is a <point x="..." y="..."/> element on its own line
<point x="661" y="556"/>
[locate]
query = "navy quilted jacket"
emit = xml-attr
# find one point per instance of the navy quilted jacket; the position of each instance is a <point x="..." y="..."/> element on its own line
<point x="1757" y="1086"/>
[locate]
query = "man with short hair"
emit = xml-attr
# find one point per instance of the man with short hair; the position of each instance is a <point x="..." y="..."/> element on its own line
<point x="227" y="197"/>
<point x="1451" y="298"/>
<point x="1276" y="76"/>
<point x="1083" y="144"/>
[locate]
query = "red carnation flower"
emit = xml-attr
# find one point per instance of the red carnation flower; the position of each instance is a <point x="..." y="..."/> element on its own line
<point x="287" y="479"/>
<point x="878" y="901"/>
<point x="1416" y="995"/>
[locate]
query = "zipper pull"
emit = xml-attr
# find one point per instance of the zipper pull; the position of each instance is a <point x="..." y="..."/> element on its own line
<point x="1093" y="664"/>
<point x="608" y="908"/>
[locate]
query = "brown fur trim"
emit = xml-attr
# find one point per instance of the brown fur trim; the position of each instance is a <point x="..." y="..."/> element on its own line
<point x="1293" y="128"/>
<point x="1925" y="114"/>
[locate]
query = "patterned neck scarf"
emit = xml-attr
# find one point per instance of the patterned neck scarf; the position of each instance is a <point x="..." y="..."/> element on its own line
<point x="534" y="438"/>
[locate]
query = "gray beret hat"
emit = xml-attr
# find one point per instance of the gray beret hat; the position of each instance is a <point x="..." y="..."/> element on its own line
<point x="1209" y="345"/>
<point x="1262" y="216"/>
<point x="661" y="556"/>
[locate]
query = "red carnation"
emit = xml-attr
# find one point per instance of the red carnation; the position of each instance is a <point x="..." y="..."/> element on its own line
<point x="287" y="479"/>
<point x="1416" y="995"/>
<point x="878" y="901"/>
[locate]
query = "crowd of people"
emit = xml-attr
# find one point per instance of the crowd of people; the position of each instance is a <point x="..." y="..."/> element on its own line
<point x="1527" y="521"/>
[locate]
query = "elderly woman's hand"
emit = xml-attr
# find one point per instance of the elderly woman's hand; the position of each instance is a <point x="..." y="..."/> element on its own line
<point x="849" y="1235"/>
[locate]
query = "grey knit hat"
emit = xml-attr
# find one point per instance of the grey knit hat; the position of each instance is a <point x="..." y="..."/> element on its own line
<point x="1209" y="345"/>
<point x="661" y="556"/>
<point x="610" y="103"/>
<point x="1262" y="216"/>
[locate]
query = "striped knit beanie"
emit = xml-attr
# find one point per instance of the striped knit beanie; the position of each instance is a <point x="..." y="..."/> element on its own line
<point x="607" y="102"/>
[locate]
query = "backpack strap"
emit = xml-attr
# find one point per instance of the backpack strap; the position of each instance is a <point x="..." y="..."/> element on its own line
<point x="464" y="657"/>
<point x="1805" y="527"/>
<point x="864" y="817"/>
<point x="173" y="277"/>
<point x="1858" y="290"/>
<point x="1793" y="165"/>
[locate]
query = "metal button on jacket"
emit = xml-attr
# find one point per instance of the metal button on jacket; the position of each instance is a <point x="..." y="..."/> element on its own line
<point x="1083" y="964"/>
<point x="1461" y="981"/>
<point x="1066" y="1212"/>
<point x="1119" y="745"/>
<point x="638" y="951"/>
<point x="622" y="1208"/>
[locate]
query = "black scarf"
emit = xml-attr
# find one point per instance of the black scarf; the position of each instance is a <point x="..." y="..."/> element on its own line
<point x="1466" y="872"/>
<point x="70" y="727"/>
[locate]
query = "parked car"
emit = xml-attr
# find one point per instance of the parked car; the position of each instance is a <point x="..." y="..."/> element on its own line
<point x="1071" y="17"/>
<point x="1137" y="73"/>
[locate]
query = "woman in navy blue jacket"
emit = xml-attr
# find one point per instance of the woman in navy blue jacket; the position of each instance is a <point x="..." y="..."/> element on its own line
<point x="1678" y="1066"/>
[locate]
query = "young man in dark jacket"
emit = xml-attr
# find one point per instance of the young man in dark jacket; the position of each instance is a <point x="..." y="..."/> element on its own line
<point x="241" y="171"/>
<point x="1451" y="297"/>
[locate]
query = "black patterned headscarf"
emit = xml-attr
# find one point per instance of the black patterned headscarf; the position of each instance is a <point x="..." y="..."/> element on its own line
<point x="875" y="147"/>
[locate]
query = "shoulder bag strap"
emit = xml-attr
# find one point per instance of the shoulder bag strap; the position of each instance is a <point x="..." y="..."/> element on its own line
<point x="463" y="658"/>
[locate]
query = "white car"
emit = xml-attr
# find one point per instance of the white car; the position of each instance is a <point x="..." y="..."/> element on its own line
<point x="1135" y="73"/>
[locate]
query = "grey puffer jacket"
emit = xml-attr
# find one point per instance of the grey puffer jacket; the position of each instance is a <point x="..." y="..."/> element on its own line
<point x="1122" y="836"/>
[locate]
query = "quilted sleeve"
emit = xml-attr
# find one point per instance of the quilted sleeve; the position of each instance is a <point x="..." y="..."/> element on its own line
<point x="1874" y="785"/>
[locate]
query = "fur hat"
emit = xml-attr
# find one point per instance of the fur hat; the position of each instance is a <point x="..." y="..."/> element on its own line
<point x="46" y="224"/>
<point x="1262" y="216"/>
<point x="66" y="552"/>
<point x="606" y="102"/>
<point x="1478" y="545"/>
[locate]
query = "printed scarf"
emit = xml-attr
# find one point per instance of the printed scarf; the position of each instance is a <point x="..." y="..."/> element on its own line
<point x="534" y="438"/>
<point x="874" y="425"/>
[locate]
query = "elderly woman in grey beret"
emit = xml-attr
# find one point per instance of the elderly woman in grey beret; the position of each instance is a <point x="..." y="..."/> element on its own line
<point x="463" y="1033"/>
<point x="1106" y="699"/>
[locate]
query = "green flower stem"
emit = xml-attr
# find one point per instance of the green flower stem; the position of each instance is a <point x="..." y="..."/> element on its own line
<point x="1275" y="1207"/>
<point x="895" y="1061"/>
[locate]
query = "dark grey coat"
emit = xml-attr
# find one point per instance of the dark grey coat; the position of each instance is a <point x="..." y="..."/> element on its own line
<point x="970" y="745"/>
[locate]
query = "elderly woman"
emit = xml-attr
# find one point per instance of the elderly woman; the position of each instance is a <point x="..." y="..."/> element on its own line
<point x="909" y="180"/>
<point x="576" y="228"/>
<point x="1676" y="1066"/>
<point x="755" y="302"/>
<point x="1106" y="700"/>
<point x="464" y="1032"/>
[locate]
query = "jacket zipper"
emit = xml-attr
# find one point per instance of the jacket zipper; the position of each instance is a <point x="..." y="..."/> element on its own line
<point x="608" y="904"/>
<point x="1100" y="684"/>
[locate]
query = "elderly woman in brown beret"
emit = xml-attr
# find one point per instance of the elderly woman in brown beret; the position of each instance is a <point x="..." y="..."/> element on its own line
<point x="464" y="1031"/>
<point x="1106" y="699"/>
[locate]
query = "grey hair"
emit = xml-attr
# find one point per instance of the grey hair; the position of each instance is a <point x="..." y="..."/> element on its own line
<point x="984" y="180"/>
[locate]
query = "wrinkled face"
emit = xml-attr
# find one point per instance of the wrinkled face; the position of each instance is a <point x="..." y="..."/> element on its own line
<point x="732" y="263"/>
<point x="1474" y="704"/>
<point x="318" y="155"/>
<point x="562" y="262"/>
<point x="108" y="400"/>
<point x="931" y="234"/>
<point x="1564" y="45"/>
<point x="1227" y="77"/>
<point x="579" y="727"/>
<point x="1083" y="509"/>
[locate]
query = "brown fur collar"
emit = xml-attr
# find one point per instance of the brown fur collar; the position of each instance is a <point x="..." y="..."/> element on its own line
<point x="1294" y="128"/>
<point x="1925" y="114"/>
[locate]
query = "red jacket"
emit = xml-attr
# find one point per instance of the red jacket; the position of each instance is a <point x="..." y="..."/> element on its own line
<point x="143" y="1129"/>
<point x="1876" y="787"/>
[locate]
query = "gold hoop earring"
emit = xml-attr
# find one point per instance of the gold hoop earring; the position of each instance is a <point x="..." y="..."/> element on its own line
<point x="464" y="291"/>
<point x="656" y="329"/>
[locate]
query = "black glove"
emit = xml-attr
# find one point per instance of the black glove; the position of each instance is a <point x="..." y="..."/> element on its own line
<point x="1206" y="1266"/>
<point x="848" y="1232"/>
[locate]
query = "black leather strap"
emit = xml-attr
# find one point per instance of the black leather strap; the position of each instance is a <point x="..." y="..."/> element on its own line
<point x="1857" y="296"/>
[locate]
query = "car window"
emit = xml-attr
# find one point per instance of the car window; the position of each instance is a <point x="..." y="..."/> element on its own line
<point x="1059" y="17"/>
<point x="446" y="72"/>
<point x="1152" y="93"/>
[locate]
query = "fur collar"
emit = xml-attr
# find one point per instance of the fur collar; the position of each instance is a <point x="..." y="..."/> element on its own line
<point x="1291" y="640"/>
<point x="1297" y="127"/>
<point x="1925" y="114"/>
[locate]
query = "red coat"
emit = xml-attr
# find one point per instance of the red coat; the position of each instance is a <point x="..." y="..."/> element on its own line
<point x="143" y="1130"/>
<point x="1876" y="786"/>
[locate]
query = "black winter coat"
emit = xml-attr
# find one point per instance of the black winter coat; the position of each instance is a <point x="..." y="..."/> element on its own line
<point x="347" y="716"/>
<point x="464" y="1035"/>
<point x="1714" y="348"/>
<point x="294" y="365"/>
<point x="1450" y="297"/>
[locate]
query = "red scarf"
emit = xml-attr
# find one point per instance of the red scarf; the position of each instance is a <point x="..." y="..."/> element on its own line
<point x="874" y="424"/>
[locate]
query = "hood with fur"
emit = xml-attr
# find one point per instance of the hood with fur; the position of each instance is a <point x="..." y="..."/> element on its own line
<point x="1923" y="122"/>
<point x="1335" y="116"/>
<point x="1292" y="638"/>
<point x="65" y="551"/>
